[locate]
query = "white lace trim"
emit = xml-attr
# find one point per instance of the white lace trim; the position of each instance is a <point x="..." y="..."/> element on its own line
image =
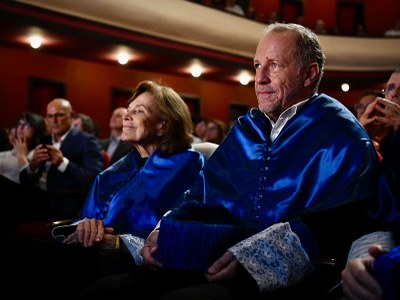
<point x="134" y="245"/>
<point x="273" y="257"/>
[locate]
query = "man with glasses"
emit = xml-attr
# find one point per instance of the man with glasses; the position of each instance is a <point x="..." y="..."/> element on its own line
<point x="66" y="168"/>
<point x="358" y="279"/>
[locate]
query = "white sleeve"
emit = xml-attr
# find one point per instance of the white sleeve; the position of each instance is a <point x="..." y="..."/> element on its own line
<point x="359" y="248"/>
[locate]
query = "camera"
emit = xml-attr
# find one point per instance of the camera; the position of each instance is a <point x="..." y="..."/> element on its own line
<point x="46" y="139"/>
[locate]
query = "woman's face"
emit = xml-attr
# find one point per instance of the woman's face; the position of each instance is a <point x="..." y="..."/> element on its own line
<point x="24" y="130"/>
<point x="142" y="122"/>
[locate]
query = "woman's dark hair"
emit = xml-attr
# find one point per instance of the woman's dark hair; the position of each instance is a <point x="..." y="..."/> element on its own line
<point x="38" y="124"/>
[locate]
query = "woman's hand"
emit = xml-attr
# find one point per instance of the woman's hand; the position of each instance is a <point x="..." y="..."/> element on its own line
<point x="89" y="232"/>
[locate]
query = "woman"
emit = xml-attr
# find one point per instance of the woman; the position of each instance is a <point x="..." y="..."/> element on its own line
<point x="130" y="196"/>
<point x="29" y="127"/>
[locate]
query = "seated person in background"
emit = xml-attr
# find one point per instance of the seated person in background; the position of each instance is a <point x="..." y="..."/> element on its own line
<point x="130" y="196"/>
<point x="18" y="204"/>
<point x="114" y="145"/>
<point x="85" y="123"/>
<point x="367" y="97"/>
<point x="294" y="192"/>
<point x="64" y="170"/>
<point x="216" y="131"/>
<point x="29" y="128"/>
<point x="381" y="119"/>
<point x="358" y="279"/>
<point x="200" y="129"/>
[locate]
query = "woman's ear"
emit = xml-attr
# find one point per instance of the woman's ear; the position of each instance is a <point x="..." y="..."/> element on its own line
<point x="312" y="71"/>
<point x="161" y="128"/>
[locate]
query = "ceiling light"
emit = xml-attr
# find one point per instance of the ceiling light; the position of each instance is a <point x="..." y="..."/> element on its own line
<point x="35" y="41"/>
<point x="123" y="58"/>
<point x="244" y="77"/>
<point x="345" y="87"/>
<point x="196" y="70"/>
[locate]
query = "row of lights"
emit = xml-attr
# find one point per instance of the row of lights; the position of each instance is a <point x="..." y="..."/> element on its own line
<point x="123" y="56"/>
<point x="196" y="69"/>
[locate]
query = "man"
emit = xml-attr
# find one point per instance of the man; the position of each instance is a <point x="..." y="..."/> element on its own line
<point x="113" y="145"/>
<point x="367" y="97"/>
<point x="294" y="174"/>
<point x="358" y="281"/>
<point x="65" y="169"/>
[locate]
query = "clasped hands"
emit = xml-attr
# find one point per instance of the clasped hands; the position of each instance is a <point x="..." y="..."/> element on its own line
<point x="92" y="233"/>
<point x="224" y="268"/>
<point x="380" y="117"/>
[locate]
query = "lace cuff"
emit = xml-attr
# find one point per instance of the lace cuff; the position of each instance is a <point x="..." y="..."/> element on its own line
<point x="273" y="257"/>
<point x="134" y="245"/>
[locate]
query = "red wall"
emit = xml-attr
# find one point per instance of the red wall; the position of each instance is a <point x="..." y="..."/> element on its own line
<point x="89" y="85"/>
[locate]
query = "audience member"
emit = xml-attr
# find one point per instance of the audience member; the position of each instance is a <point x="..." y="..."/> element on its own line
<point x="17" y="201"/>
<point x="395" y="31"/>
<point x="216" y="131"/>
<point x="200" y="129"/>
<point x="320" y="27"/>
<point x="115" y="147"/>
<point x="358" y="275"/>
<point x="292" y="201"/>
<point x="65" y="169"/>
<point x="273" y="17"/>
<point x="234" y="8"/>
<point x="381" y="119"/>
<point x="367" y="97"/>
<point x="130" y="196"/>
<point x="29" y="128"/>
<point x="85" y="123"/>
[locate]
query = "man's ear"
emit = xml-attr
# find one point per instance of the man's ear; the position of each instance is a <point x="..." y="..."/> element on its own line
<point x="312" y="71"/>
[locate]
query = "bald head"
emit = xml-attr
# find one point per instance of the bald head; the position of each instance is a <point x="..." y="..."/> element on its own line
<point x="59" y="117"/>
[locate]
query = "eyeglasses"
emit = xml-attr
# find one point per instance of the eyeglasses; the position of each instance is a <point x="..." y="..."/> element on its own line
<point x="56" y="115"/>
<point x="24" y="124"/>
<point x="391" y="88"/>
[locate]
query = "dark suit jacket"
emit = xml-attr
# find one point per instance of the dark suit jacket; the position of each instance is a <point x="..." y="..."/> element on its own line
<point x="122" y="149"/>
<point x="67" y="190"/>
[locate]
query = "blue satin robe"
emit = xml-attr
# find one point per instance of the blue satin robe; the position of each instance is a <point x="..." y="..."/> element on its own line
<point x="132" y="199"/>
<point x="322" y="158"/>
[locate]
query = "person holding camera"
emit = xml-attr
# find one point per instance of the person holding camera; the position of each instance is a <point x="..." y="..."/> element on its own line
<point x="66" y="168"/>
<point x="381" y="119"/>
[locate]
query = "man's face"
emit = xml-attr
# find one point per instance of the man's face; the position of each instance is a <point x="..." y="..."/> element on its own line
<point x="59" y="119"/>
<point x="392" y="90"/>
<point x="360" y="107"/>
<point x="279" y="83"/>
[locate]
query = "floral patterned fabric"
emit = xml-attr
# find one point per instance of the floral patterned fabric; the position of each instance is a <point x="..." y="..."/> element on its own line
<point x="134" y="245"/>
<point x="274" y="257"/>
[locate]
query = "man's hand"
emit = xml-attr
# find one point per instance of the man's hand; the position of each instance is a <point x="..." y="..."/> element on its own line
<point x="224" y="268"/>
<point x="358" y="282"/>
